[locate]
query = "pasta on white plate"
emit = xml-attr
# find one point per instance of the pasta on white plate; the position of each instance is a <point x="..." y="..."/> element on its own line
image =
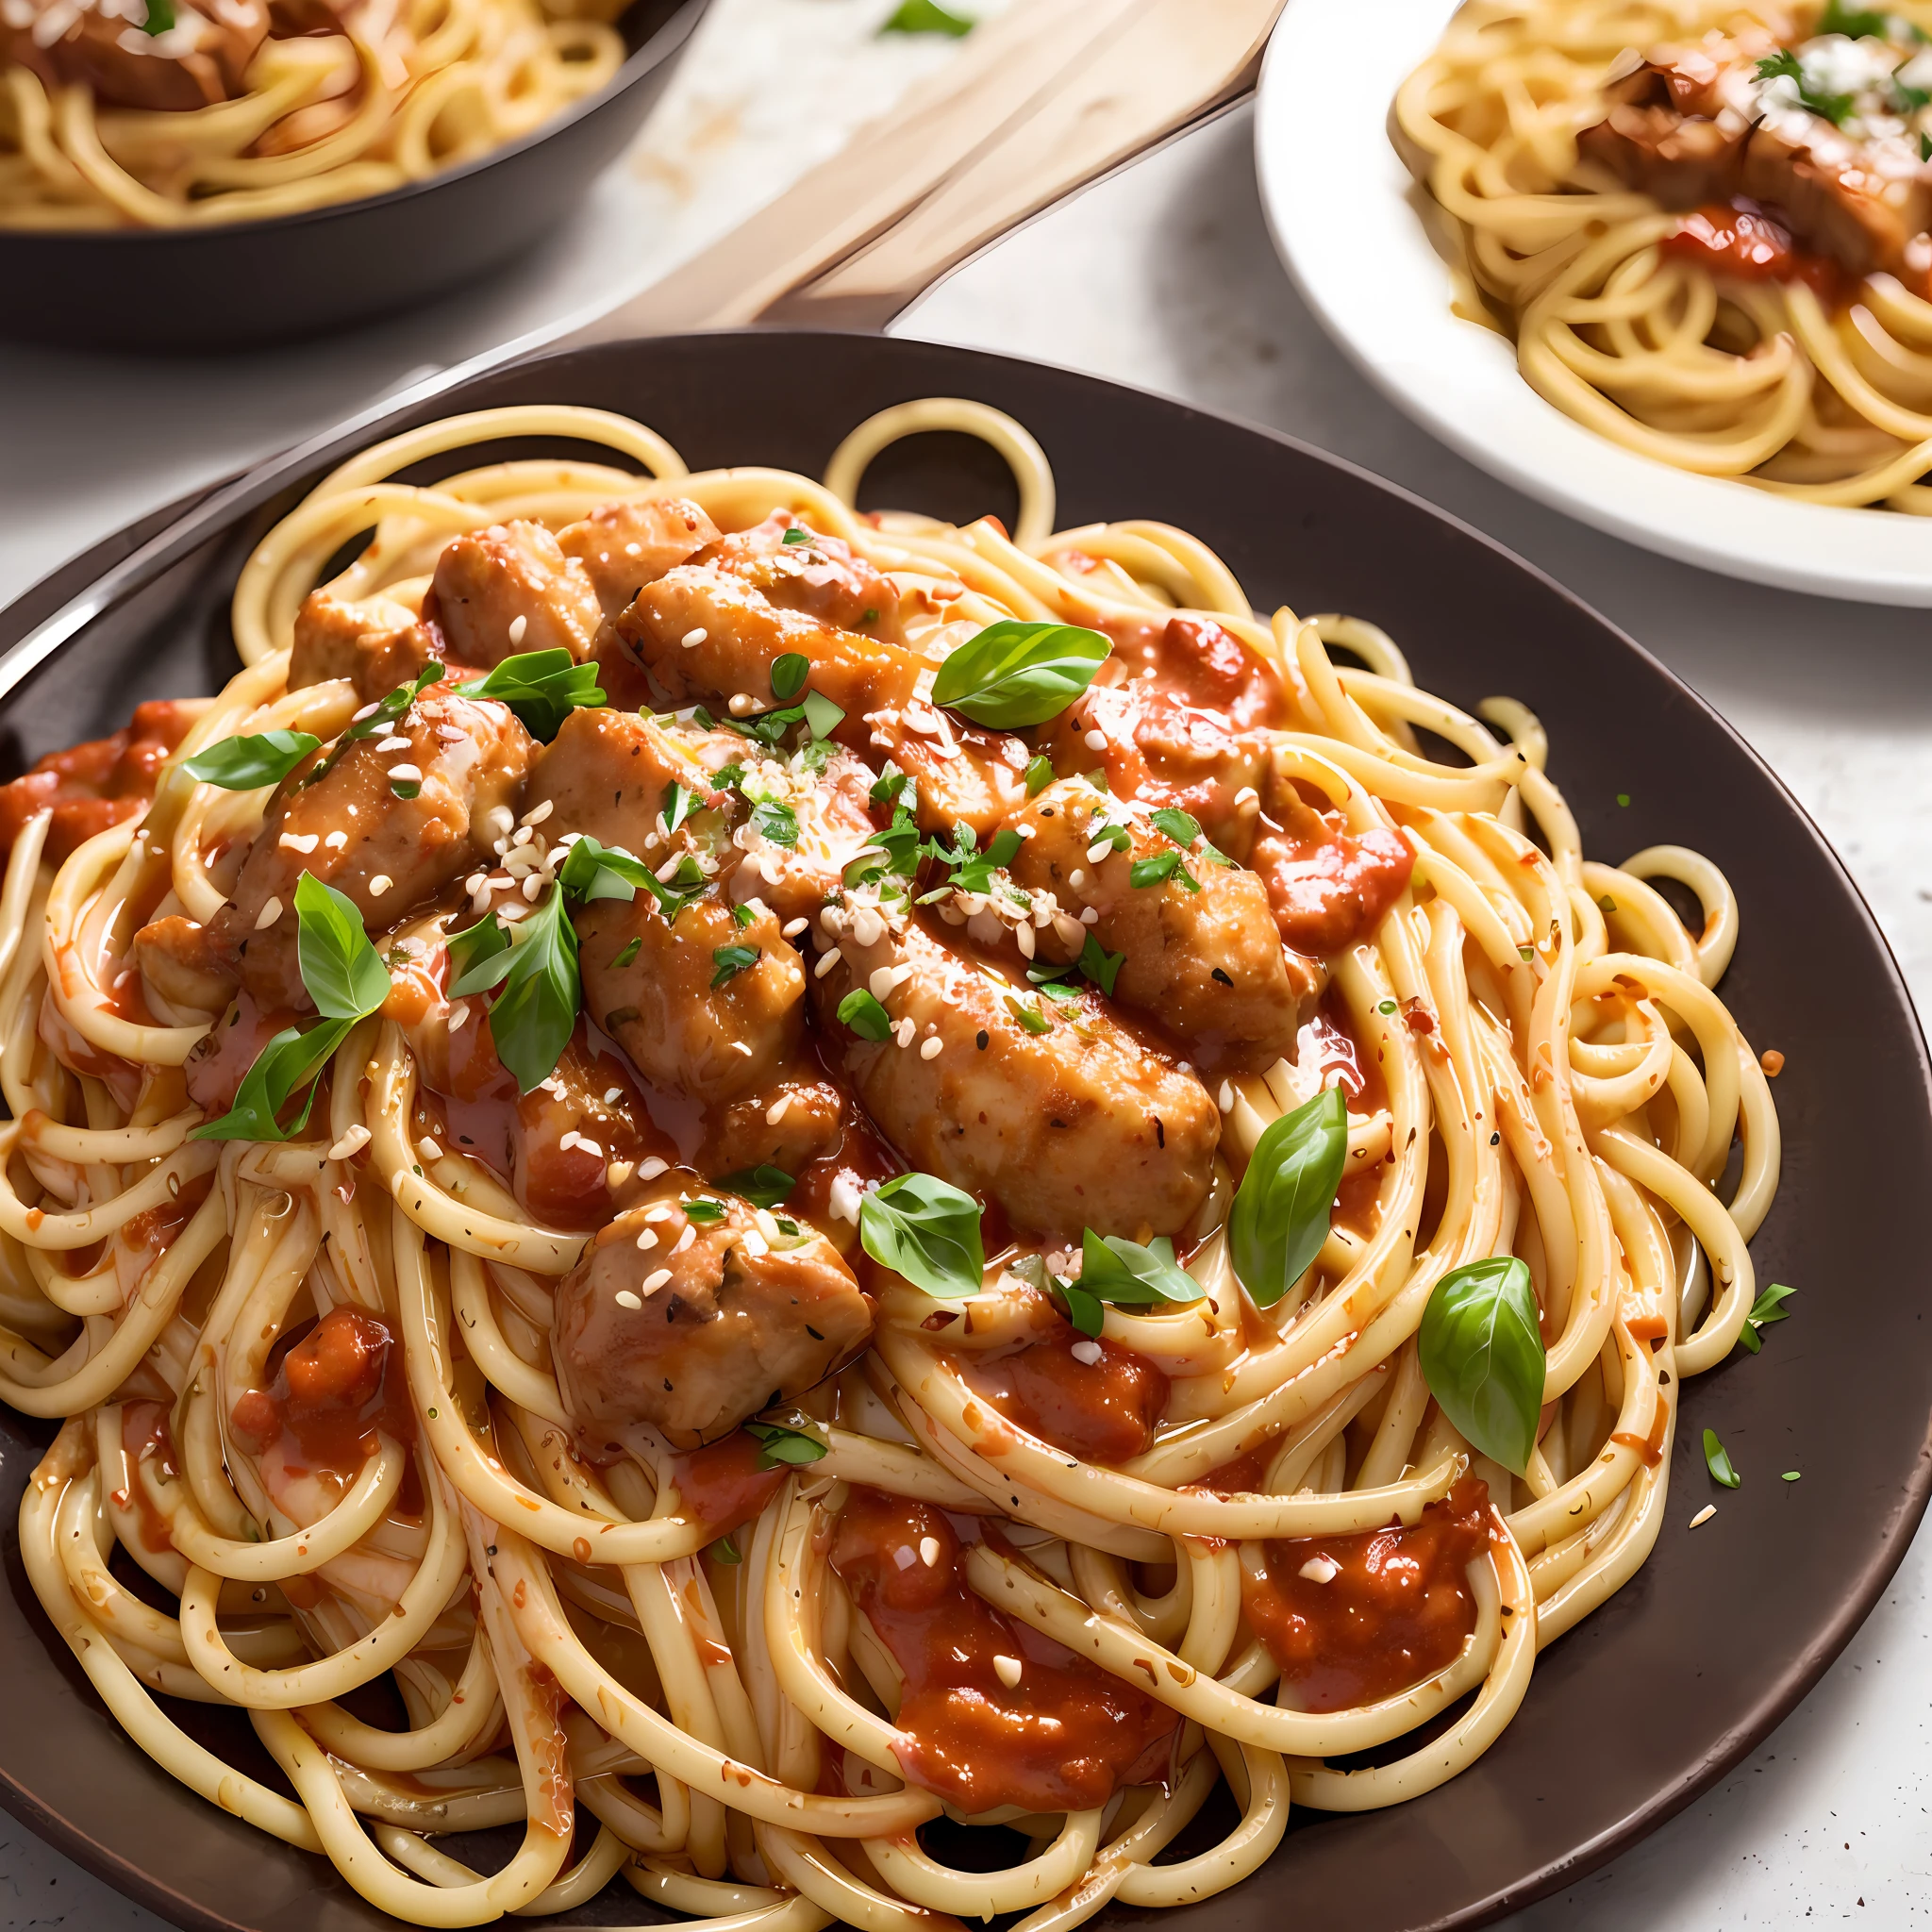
<point x="165" y="114"/>
<point x="1706" y="226"/>
<point x="795" y="1170"/>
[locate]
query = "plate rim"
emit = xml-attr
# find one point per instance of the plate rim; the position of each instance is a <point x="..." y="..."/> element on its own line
<point x="1913" y="1489"/>
<point x="1692" y="531"/>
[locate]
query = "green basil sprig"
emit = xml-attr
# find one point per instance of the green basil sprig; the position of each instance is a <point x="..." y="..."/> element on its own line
<point x="542" y="687"/>
<point x="860" y="1011"/>
<point x="763" y="1186"/>
<point x="347" y="981"/>
<point x="928" y="1231"/>
<point x="532" y="1017"/>
<point x="591" y="871"/>
<point x="1130" y="1275"/>
<point x="1481" y="1349"/>
<point x="1015" y="674"/>
<point x="379" y="723"/>
<point x="1764" y="1310"/>
<point x="778" y="1444"/>
<point x="1717" y="1458"/>
<point x="1282" y="1207"/>
<point x="159" y="16"/>
<point x="243" y="764"/>
<point x="915" y="17"/>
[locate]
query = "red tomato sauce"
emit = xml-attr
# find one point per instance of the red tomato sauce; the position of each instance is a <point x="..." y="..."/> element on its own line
<point x="1196" y="661"/>
<point x="145" y="1436"/>
<point x="93" y="786"/>
<point x="1065" y="1738"/>
<point x="1398" y="1609"/>
<point x="1747" y="243"/>
<point x="335" y="1389"/>
<point x="1102" y="1412"/>
<point x="722" y="1484"/>
<point x="222" y="1059"/>
<point x="1329" y="888"/>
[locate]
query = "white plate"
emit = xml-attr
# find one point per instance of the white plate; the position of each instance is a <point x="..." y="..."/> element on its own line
<point x="1343" y="213"/>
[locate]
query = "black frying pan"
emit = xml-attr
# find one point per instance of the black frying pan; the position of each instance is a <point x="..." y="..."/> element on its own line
<point x="239" y="285"/>
<point x="1645" y="1704"/>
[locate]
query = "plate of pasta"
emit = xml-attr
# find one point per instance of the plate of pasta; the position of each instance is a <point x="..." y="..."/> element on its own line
<point x="782" y="1148"/>
<point x="1662" y="267"/>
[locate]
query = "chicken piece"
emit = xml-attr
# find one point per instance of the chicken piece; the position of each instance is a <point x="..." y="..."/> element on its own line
<point x="1329" y="888"/>
<point x="623" y="546"/>
<point x="375" y="645"/>
<point x="1208" y="965"/>
<point x="822" y="577"/>
<point x="794" y="1120"/>
<point x="692" y="1015"/>
<point x="1659" y="134"/>
<point x="94" y="52"/>
<point x="1835" y="203"/>
<point x="705" y="634"/>
<point x="501" y="591"/>
<point x="1183" y="711"/>
<point x="693" y="1324"/>
<point x="353" y="832"/>
<point x="610" y="773"/>
<point x="1076" y="1124"/>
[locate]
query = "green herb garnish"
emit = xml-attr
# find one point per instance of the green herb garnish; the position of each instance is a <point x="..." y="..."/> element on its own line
<point x="1282" y="1207"/>
<point x="928" y="1231"/>
<point x="542" y="687"/>
<point x="243" y="764"/>
<point x="1015" y="674"/>
<point x="1717" y="1460"/>
<point x="1481" y="1350"/>
<point x="730" y="961"/>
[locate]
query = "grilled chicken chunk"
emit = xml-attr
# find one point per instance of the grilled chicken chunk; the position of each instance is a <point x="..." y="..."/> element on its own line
<point x="375" y="645"/>
<point x="692" y="1326"/>
<point x="1074" y="1124"/>
<point x="352" y="831"/>
<point x="92" y="51"/>
<point x="796" y="568"/>
<point x="1207" y="964"/>
<point x="508" y="590"/>
<point x="786" y="1123"/>
<point x="623" y="546"/>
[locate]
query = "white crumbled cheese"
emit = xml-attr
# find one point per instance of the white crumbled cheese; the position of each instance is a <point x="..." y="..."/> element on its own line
<point x="517" y="625"/>
<point x="271" y="911"/>
<point x="1009" y="1670"/>
<point x="1321" y="1570"/>
<point x="651" y="1167"/>
<point x="298" y="842"/>
<point x="929" y="1551"/>
<point x="352" y="1143"/>
<point x="623" y="1297"/>
<point x="653" y="1282"/>
<point x="1086" y="1351"/>
<point x="693" y="638"/>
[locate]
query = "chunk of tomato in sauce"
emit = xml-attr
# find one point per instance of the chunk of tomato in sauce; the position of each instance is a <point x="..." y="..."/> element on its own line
<point x="91" y="786"/>
<point x="1749" y="244"/>
<point x="1064" y="1737"/>
<point x="1105" y="1410"/>
<point x="1328" y="887"/>
<point x="722" y="1484"/>
<point x="1351" y="1619"/>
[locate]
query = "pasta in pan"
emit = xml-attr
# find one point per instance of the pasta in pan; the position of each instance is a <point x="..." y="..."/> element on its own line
<point x="1707" y="226"/>
<point x="790" y="1171"/>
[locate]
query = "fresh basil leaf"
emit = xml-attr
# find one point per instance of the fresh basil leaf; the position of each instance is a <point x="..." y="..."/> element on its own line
<point x="1102" y="967"/>
<point x="1481" y="1350"/>
<point x="703" y="1211"/>
<point x="628" y="952"/>
<point x="1764" y="1309"/>
<point x="1151" y="871"/>
<point x="159" y="18"/>
<point x="889" y="786"/>
<point x="532" y="1018"/>
<point x="822" y="716"/>
<point x="685" y="885"/>
<point x="1084" y="1311"/>
<point x="928" y="1231"/>
<point x="1056" y="989"/>
<point x="289" y="1061"/>
<point x="860" y="1011"/>
<point x="1717" y="1459"/>
<point x="1785" y="65"/>
<point x="1121" y="1271"/>
<point x="480" y="954"/>
<point x="343" y="972"/>
<point x="591" y="871"/>
<point x="379" y="722"/>
<point x="789" y="673"/>
<point x="243" y="764"/>
<point x="796" y="534"/>
<point x="1282" y="1209"/>
<point x="776" y="821"/>
<point x="677" y="805"/>
<point x="1015" y="674"/>
<point x="763" y="1186"/>
<point x="1039" y="775"/>
<point x="741" y="916"/>
<point x="542" y="687"/>
<point x="923" y="17"/>
<point x="1029" y="1017"/>
<point x="730" y="961"/>
<point x="1183" y="827"/>
<point x="779" y="1444"/>
<point x="724" y="1551"/>
<point x="1855" y="23"/>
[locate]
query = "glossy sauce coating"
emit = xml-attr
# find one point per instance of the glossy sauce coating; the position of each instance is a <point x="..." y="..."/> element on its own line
<point x="1395" y="1605"/>
<point x="1065" y="1737"/>
<point x="335" y="1391"/>
<point x="101" y="783"/>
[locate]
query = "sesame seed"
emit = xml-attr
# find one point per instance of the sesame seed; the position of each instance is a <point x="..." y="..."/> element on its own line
<point x="1086" y="1351"/>
<point x="459" y="1016"/>
<point x="1089" y="915"/>
<point x="1009" y="1670"/>
<point x="1704" y="1515"/>
<point x="741" y="702"/>
<point x="1321" y="1570"/>
<point x="903" y="1032"/>
<point x="684" y="1240"/>
<point x="931" y="1049"/>
<point x="379" y="885"/>
<point x="395" y="742"/>
<point x="1077" y="878"/>
<point x="409" y="774"/>
<point x="647" y="1239"/>
<point x="625" y="1298"/>
<point x="693" y="637"/>
<point x="651" y="1167"/>
<point x="889" y="979"/>
<point x="539" y="813"/>
<point x="929" y="1551"/>
<point x="1096" y="741"/>
<point x="294" y="841"/>
<point x="336" y="841"/>
<point x="775" y="1112"/>
<point x="533" y="885"/>
<point x="568" y="1142"/>
<point x="653" y="1282"/>
<point x="826" y="961"/>
<point x="586" y="1145"/>
<point x="1098" y="851"/>
<point x="792" y="928"/>
<point x="368" y="710"/>
<point x="352" y="1143"/>
<point x="1025" y="935"/>
<point x="475" y="882"/>
<point x="1227" y="1096"/>
<point x="517" y="625"/>
<point x="271" y="911"/>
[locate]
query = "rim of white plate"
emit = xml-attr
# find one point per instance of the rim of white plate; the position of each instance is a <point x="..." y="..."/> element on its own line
<point x="1344" y="215"/>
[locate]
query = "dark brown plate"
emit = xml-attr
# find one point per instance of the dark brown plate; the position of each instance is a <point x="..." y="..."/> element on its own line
<point x="1659" y="1693"/>
<point x="241" y="284"/>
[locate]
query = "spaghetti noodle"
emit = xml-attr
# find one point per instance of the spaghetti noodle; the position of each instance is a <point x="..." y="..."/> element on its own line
<point x="715" y="1500"/>
<point x="118" y="114"/>
<point x="1703" y="225"/>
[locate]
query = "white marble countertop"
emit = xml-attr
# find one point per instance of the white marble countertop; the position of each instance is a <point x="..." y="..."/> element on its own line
<point x="1164" y="277"/>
